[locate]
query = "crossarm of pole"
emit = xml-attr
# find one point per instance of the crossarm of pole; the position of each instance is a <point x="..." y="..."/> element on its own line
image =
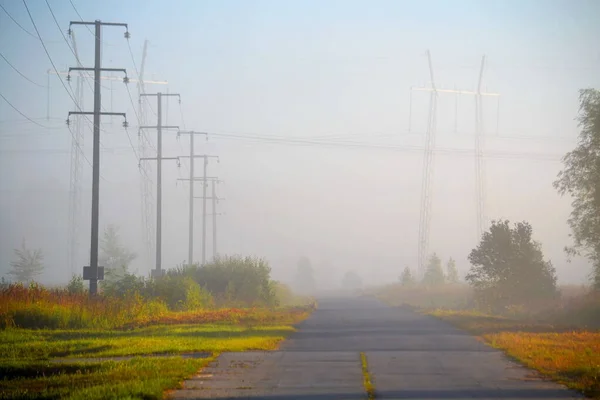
<point x="156" y="159"/>
<point x="125" y="123"/>
<point x="205" y="156"/>
<point x="127" y="34"/>
<point x="217" y="199"/>
<point x="163" y="95"/>
<point x="156" y="127"/>
<point x="192" y="133"/>
<point x="123" y="70"/>
<point x="200" y="178"/>
<point x="471" y="92"/>
<point x="112" y="78"/>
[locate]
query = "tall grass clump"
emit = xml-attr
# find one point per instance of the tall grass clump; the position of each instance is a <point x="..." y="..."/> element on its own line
<point x="37" y="307"/>
<point x="228" y="289"/>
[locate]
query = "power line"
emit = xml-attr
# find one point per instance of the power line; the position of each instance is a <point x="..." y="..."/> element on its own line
<point x="73" y="51"/>
<point x="137" y="71"/>
<point x="19" y="111"/>
<point x="20" y="73"/>
<point x="48" y="55"/>
<point x="79" y="15"/>
<point x="54" y="66"/>
<point x="18" y="24"/>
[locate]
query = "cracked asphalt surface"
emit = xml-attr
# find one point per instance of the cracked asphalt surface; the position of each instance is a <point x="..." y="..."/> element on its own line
<point x="410" y="356"/>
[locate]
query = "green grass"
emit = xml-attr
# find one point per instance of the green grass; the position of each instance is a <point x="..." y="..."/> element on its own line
<point x="139" y="378"/>
<point x="29" y="372"/>
<point x="20" y="344"/>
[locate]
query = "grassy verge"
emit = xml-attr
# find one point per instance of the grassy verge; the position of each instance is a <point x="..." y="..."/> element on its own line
<point x="28" y="372"/>
<point x="568" y="356"/>
<point x="139" y="378"/>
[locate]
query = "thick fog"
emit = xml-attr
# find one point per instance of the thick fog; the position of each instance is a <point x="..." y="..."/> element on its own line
<point x="308" y="106"/>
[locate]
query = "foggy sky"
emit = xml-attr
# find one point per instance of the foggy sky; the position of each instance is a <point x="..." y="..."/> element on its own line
<point x="335" y="70"/>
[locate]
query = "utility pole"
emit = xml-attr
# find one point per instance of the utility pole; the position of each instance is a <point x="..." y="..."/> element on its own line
<point x="215" y="200"/>
<point x="93" y="272"/>
<point x="193" y="179"/>
<point x="158" y="271"/>
<point x="191" y="205"/>
<point x="146" y="184"/>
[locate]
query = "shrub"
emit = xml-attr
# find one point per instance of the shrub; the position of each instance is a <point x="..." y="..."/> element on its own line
<point x="179" y="292"/>
<point x="125" y="286"/>
<point x="76" y="285"/>
<point x="234" y="280"/>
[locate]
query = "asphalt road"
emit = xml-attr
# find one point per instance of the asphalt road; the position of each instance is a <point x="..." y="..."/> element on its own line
<point x="409" y="356"/>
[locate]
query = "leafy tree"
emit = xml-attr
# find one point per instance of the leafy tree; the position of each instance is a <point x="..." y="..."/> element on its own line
<point x="407" y="278"/>
<point x="451" y="271"/>
<point x="434" y="274"/>
<point x="580" y="178"/>
<point x="113" y="255"/>
<point x="351" y="280"/>
<point x="508" y="268"/>
<point x="305" y="279"/>
<point x="28" y="263"/>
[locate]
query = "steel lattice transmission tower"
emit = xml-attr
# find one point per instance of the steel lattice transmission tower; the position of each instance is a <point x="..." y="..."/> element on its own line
<point x="147" y="187"/>
<point x="426" y="185"/>
<point x="479" y="161"/>
<point x="426" y="189"/>
<point x="75" y="170"/>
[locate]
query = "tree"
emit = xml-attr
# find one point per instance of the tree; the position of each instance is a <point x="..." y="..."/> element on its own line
<point x="28" y="263"/>
<point x="305" y="279"/>
<point x="451" y="271"/>
<point x="434" y="274"/>
<point x="580" y="178"/>
<point x="508" y="268"/>
<point x="407" y="278"/>
<point x="351" y="281"/>
<point x="114" y="257"/>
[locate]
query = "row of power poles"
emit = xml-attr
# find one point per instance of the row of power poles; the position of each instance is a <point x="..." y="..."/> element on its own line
<point x="94" y="272"/>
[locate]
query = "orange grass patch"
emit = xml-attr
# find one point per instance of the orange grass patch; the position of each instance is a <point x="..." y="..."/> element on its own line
<point x="572" y="358"/>
<point x="567" y="356"/>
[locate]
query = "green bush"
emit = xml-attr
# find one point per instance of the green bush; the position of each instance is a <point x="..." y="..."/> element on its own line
<point x="125" y="286"/>
<point x="234" y="280"/>
<point x="179" y="292"/>
<point x="76" y="285"/>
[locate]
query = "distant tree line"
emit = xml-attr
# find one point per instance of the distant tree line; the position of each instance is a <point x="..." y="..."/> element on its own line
<point x="434" y="274"/>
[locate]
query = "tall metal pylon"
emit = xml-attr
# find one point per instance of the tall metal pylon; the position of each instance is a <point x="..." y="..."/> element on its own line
<point x="75" y="170"/>
<point x="428" y="158"/>
<point x="479" y="161"/>
<point x="147" y="187"/>
<point x="426" y="191"/>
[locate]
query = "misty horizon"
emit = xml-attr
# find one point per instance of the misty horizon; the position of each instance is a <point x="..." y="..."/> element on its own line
<point x="309" y="110"/>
